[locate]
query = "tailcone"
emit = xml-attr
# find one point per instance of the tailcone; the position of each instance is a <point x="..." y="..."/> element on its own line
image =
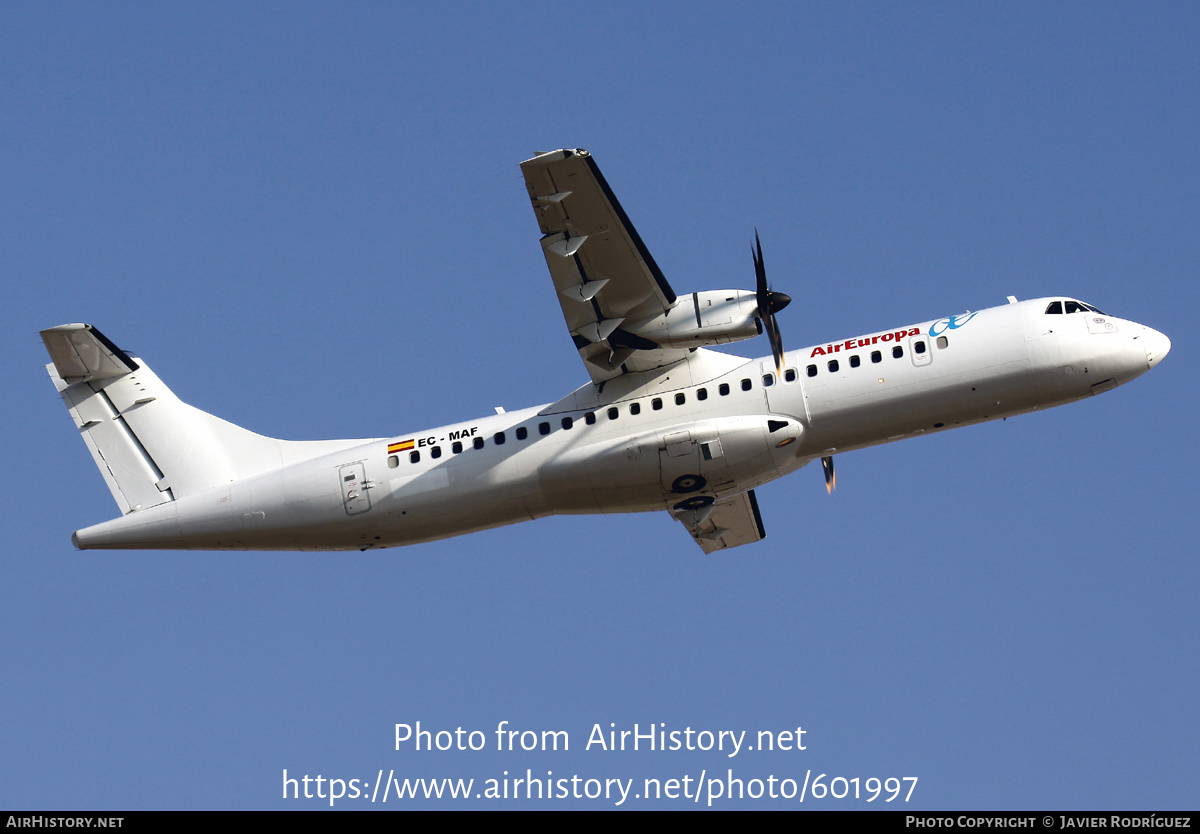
<point x="156" y="528"/>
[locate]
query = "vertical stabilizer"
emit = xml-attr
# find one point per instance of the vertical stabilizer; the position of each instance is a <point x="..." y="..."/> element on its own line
<point x="150" y="446"/>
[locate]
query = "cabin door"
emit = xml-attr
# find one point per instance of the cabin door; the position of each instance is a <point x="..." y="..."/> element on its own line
<point x="356" y="495"/>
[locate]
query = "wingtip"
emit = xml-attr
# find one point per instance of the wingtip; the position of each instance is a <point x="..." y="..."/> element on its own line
<point x="546" y="157"/>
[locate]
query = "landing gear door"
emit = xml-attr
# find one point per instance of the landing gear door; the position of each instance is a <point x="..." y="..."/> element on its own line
<point x="679" y="461"/>
<point x="356" y="495"/>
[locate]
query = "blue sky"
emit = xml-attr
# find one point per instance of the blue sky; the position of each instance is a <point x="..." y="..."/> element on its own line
<point x="309" y="220"/>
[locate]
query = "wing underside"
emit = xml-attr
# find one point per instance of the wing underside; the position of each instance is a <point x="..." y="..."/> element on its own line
<point x="605" y="276"/>
<point x="729" y="523"/>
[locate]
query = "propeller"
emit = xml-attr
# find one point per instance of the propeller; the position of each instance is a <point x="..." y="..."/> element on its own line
<point x="830" y="477"/>
<point x="769" y="303"/>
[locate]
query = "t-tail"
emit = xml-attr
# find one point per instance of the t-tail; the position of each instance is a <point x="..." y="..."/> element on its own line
<point x="152" y="448"/>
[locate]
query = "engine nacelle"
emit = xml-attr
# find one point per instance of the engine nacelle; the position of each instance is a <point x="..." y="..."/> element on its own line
<point x="715" y="317"/>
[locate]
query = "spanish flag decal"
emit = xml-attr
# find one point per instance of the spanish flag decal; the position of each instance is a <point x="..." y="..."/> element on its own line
<point x="402" y="446"/>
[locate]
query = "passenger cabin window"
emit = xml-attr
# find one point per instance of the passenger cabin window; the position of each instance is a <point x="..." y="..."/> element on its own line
<point x="635" y="408"/>
<point x="768" y="380"/>
<point x="499" y="438"/>
<point x="723" y="389"/>
<point x="614" y="413"/>
<point x="456" y="447"/>
<point x="435" y="452"/>
<point x="702" y="393"/>
<point x="876" y="356"/>
<point x="833" y="366"/>
<point x="943" y="343"/>
<point x="393" y="461"/>
<point x="522" y="433"/>
<point x="897" y="352"/>
<point x="855" y="361"/>
<point x="811" y="370"/>
<point x="413" y="457"/>
<point x="789" y="375"/>
<point x="656" y="404"/>
<point x="543" y="428"/>
<point x="567" y="422"/>
<point x="680" y="399"/>
<point x="919" y="347"/>
<point x="590" y="418"/>
<point x="477" y="443"/>
<point x="747" y="385"/>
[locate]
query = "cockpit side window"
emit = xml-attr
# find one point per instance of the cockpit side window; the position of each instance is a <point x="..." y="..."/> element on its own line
<point x="1055" y="307"/>
<point x="1075" y="307"/>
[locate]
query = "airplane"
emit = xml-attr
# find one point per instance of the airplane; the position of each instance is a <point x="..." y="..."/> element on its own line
<point x="665" y="423"/>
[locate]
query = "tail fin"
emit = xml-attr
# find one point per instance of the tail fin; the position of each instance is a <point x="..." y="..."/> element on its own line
<point x="150" y="446"/>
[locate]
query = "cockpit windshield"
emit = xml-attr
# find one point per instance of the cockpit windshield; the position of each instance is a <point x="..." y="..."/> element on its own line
<point x="1069" y="305"/>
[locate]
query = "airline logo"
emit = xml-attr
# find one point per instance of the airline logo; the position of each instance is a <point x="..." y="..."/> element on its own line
<point x="936" y="329"/>
<point x="953" y="323"/>
<point x="865" y="341"/>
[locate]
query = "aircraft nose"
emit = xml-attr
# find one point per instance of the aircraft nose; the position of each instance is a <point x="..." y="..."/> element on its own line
<point x="1157" y="346"/>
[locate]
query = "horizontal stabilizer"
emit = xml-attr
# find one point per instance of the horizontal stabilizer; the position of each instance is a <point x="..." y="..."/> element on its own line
<point x="81" y="353"/>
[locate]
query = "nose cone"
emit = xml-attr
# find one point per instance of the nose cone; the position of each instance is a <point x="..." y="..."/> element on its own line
<point x="1157" y="346"/>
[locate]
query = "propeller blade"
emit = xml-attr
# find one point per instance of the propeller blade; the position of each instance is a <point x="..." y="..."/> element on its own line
<point x="776" y="340"/>
<point x="830" y="477"/>
<point x="760" y="274"/>
<point x="769" y="303"/>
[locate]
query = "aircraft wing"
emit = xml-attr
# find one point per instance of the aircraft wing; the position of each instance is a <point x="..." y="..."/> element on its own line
<point x="729" y="523"/>
<point x="604" y="274"/>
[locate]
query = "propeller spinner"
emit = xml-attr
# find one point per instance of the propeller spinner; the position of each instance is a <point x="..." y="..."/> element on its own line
<point x="769" y="303"/>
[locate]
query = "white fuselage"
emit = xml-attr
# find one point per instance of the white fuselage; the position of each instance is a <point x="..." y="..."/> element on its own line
<point x="723" y="422"/>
